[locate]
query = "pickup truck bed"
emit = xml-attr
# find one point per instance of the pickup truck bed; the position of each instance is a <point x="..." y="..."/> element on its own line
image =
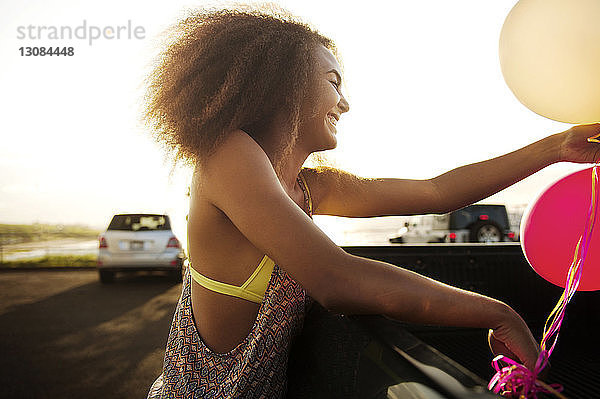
<point x="374" y="357"/>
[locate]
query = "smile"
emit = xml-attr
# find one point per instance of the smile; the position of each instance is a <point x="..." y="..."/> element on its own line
<point x="332" y="119"/>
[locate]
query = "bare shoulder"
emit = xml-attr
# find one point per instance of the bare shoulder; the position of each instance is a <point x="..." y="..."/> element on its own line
<point x="237" y="157"/>
<point x="236" y="149"/>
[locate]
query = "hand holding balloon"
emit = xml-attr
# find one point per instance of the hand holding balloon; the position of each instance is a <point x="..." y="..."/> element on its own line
<point x="580" y="144"/>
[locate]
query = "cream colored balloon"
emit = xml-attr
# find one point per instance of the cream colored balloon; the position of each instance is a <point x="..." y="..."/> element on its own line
<point x="550" y="58"/>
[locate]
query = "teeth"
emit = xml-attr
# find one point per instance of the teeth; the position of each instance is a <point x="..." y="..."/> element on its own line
<point x="332" y="119"/>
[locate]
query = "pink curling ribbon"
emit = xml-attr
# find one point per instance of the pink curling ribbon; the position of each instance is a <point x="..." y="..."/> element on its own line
<point x="514" y="380"/>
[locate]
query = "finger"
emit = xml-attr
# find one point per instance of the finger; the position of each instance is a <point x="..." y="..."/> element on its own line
<point x="594" y="139"/>
<point x="499" y="348"/>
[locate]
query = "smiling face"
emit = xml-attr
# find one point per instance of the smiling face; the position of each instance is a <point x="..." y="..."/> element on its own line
<point x="325" y="104"/>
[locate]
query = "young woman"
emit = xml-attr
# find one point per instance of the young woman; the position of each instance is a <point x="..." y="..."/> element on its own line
<point x="246" y="97"/>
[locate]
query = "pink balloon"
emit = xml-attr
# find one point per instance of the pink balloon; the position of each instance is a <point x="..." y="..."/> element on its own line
<point x="552" y="225"/>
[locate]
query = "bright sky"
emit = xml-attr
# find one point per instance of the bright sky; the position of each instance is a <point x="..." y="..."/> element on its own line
<point x="422" y="77"/>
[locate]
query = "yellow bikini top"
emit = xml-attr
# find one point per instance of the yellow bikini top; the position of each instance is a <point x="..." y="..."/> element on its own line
<point x="255" y="286"/>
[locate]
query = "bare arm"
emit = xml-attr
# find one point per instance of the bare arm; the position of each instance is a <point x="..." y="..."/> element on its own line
<point x="404" y="295"/>
<point x="340" y="193"/>
<point x="241" y="182"/>
<point x="343" y="194"/>
<point x="471" y="183"/>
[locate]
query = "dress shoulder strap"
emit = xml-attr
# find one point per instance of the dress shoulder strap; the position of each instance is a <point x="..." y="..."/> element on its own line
<point x="307" y="197"/>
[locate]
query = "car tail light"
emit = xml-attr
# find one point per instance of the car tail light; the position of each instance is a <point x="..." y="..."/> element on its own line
<point x="173" y="243"/>
<point x="452" y="237"/>
<point x="173" y="263"/>
<point x="484" y="217"/>
<point x="102" y="242"/>
<point x="511" y="234"/>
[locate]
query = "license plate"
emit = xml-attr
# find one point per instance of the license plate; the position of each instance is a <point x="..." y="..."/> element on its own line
<point x="136" y="245"/>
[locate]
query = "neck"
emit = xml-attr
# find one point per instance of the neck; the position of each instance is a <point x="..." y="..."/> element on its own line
<point x="290" y="169"/>
<point x="292" y="163"/>
<point x="289" y="166"/>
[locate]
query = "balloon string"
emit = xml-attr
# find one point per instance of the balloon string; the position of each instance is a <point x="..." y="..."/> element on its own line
<point x="514" y="379"/>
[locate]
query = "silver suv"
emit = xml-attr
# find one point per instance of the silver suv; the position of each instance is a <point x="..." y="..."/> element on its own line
<point x="135" y="242"/>
<point x="474" y="223"/>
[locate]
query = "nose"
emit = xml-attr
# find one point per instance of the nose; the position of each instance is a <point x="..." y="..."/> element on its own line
<point x="343" y="104"/>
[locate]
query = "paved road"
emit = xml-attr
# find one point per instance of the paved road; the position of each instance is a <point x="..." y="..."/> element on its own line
<point x="64" y="335"/>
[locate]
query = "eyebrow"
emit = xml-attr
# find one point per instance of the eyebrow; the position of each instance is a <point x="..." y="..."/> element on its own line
<point x="337" y="74"/>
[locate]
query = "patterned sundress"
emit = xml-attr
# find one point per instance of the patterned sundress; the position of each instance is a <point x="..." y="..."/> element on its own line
<point x="257" y="367"/>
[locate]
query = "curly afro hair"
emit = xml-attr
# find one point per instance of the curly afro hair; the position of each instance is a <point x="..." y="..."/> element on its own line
<point x="230" y="69"/>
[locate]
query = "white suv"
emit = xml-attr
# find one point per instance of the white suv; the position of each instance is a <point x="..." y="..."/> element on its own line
<point x="136" y="242"/>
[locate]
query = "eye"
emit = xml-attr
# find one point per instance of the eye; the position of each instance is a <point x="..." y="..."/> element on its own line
<point x="335" y="84"/>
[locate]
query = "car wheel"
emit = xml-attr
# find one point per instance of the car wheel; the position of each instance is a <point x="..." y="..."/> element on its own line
<point x="107" y="277"/>
<point x="485" y="231"/>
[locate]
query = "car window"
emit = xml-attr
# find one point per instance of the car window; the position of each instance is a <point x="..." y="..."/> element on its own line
<point x="440" y="222"/>
<point x="463" y="218"/>
<point x="140" y="222"/>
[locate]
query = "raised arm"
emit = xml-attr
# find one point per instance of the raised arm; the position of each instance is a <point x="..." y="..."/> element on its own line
<point x="471" y="183"/>
<point x="240" y="181"/>
<point x="344" y="194"/>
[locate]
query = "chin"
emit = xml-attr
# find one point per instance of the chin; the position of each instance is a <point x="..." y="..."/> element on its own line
<point x="327" y="146"/>
<point x="330" y="144"/>
<point x="334" y="145"/>
<point x="323" y="139"/>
